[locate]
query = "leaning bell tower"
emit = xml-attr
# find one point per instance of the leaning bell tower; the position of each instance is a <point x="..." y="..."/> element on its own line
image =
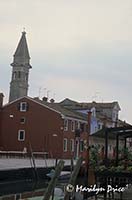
<point x="20" y="70"/>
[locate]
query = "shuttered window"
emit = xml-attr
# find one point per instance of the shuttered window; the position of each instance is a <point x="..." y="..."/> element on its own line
<point x="65" y="144"/>
<point x="72" y="145"/>
<point x="23" y="106"/>
<point x="21" y="135"/>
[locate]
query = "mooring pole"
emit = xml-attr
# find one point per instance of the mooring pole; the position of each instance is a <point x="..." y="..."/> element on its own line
<point x="52" y="183"/>
<point x="86" y="154"/>
<point x="33" y="162"/>
<point x="72" y="180"/>
<point x="117" y="149"/>
<point x="106" y="148"/>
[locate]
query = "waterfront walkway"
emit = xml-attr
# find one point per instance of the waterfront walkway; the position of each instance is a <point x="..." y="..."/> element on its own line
<point x="17" y="163"/>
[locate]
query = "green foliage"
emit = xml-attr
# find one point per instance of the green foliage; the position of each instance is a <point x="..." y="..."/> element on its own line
<point x="125" y="153"/>
<point x="119" y="168"/>
<point x="129" y="169"/>
<point x="101" y="168"/>
<point x="93" y="154"/>
<point x="112" y="169"/>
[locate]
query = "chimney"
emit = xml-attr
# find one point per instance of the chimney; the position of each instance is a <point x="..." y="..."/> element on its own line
<point x="89" y="121"/>
<point x="86" y="145"/>
<point x="36" y="98"/>
<point x="45" y="99"/>
<point x="52" y="100"/>
<point x="1" y="99"/>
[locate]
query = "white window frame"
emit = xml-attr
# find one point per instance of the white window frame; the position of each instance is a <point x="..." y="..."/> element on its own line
<point x="21" y="106"/>
<point x="81" y="142"/>
<point x="72" y="145"/>
<point x="72" y="126"/>
<point x="19" y="139"/>
<point x="65" y="124"/>
<point x="65" y="141"/>
<point x="78" y="125"/>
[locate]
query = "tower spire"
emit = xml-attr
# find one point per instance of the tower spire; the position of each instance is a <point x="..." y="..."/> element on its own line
<point x="20" y="70"/>
<point x="21" y="54"/>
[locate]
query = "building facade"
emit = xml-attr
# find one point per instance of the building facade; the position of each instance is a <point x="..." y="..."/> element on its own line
<point x="45" y="128"/>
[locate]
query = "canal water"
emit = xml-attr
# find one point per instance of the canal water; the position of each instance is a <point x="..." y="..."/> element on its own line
<point x="28" y="190"/>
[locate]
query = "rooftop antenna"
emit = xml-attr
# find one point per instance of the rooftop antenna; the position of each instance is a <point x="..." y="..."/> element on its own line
<point x="54" y="95"/>
<point x="96" y="94"/>
<point x="45" y="91"/>
<point x="39" y="91"/>
<point x="48" y="91"/>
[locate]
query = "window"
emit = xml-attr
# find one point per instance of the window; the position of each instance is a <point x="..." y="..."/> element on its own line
<point x="81" y="145"/>
<point x="95" y="128"/>
<point x="82" y="127"/>
<point x="26" y="77"/>
<point x="65" y="124"/>
<point x="21" y="135"/>
<point x="22" y="120"/>
<point x="72" y="126"/>
<point x="14" y="75"/>
<point x="72" y="145"/>
<point x="65" y="145"/>
<point x="93" y="112"/>
<point x="19" y="74"/>
<point x="99" y="126"/>
<point x="77" y="125"/>
<point x="23" y="106"/>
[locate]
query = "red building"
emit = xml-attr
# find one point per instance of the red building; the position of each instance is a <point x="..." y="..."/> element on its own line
<point x="27" y="123"/>
<point x="45" y="127"/>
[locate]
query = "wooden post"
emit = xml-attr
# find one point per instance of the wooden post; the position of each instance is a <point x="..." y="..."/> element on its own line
<point x="73" y="178"/>
<point x="117" y="147"/>
<point x="106" y="148"/>
<point x="72" y="164"/>
<point x="56" y="160"/>
<point x="88" y="133"/>
<point x="125" y="146"/>
<point x="52" y="183"/>
<point x="33" y="162"/>
<point x="86" y="153"/>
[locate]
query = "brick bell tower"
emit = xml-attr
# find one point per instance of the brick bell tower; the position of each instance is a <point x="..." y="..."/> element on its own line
<point x="20" y="70"/>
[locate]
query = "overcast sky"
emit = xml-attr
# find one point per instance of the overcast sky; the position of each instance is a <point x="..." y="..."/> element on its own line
<point x="80" y="49"/>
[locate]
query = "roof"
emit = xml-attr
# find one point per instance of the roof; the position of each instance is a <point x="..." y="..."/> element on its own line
<point x="31" y="99"/>
<point x="122" y="132"/>
<point x="64" y="111"/>
<point x="84" y="105"/>
<point x="54" y="107"/>
<point x="100" y="105"/>
<point x="68" y="102"/>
